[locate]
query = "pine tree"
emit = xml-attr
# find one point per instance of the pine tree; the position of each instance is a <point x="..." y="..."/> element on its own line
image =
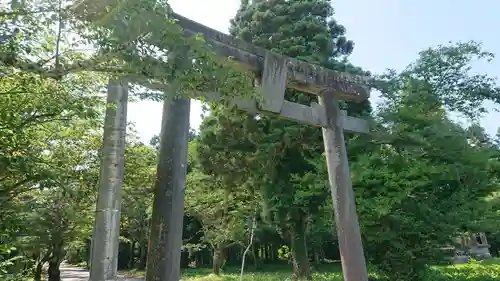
<point x="273" y="155"/>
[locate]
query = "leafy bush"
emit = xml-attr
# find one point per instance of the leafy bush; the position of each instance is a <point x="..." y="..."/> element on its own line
<point x="477" y="271"/>
<point x="8" y="263"/>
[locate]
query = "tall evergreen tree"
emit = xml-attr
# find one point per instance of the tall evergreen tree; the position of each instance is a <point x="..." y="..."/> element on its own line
<point x="273" y="155"/>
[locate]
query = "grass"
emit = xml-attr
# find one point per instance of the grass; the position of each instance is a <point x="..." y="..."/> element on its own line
<point x="267" y="273"/>
<point x="476" y="271"/>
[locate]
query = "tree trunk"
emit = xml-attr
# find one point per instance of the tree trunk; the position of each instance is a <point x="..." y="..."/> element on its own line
<point x="274" y="251"/>
<point x="104" y="249"/>
<point x="55" y="261"/>
<point x="184" y="259"/>
<point x="39" y="266"/>
<point x="300" y="259"/>
<point x="250" y="243"/>
<point x="54" y="272"/>
<point x="143" y="255"/>
<point x="268" y="252"/>
<point x="255" y="256"/>
<point x="163" y="263"/>
<point x="38" y="271"/>
<point x="317" y="258"/>
<point x="130" y="263"/>
<point x="216" y="262"/>
<point x="88" y="247"/>
<point x="223" y="257"/>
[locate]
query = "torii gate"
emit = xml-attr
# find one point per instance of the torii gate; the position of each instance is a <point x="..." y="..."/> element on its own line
<point x="277" y="73"/>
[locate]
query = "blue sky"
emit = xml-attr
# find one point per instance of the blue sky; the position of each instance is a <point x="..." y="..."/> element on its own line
<point x="386" y="33"/>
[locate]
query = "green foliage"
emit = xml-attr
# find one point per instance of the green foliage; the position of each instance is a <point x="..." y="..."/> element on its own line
<point x="29" y="106"/>
<point x="299" y="29"/>
<point x="7" y="262"/>
<point x="53" y="59"/>
<point x="55" y="210"/>
<point x="223" y="215"/>
<point x="477" y="271"/>
<point x="139" y="40"/>
<point x="426" y="180"/>
<point x="137" y="199"/>
<point x="446" y="70"/>
<point x="272" y="156"/>
<point x="49" y="134"/>
<point x="480" y="271"/>
<point x="284" y="252"/>
<point x="420" y="180"/>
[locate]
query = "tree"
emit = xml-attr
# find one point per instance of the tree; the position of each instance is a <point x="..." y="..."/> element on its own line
<point x="34" y="112"/>
<point x="37" y="102"/>
<point x="140" y="163"/>
<point x="446" y="71"/>
<point x="138" y="53"/>
<point x="61" y="214"/>
<point x="423" y="180"/>
<point x="223" y="215"/>
<point x="270" y="155"/>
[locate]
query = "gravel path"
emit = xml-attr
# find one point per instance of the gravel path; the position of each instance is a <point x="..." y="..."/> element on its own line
<point x="70" y="273"/>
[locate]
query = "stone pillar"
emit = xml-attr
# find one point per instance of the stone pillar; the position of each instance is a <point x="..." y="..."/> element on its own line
<point x="164" y="254"/>
<point x="104" y="246"/>
<point x="346" y="218"/>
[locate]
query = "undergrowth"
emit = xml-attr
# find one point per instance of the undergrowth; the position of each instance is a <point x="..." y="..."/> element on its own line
<point x="474" y="271"/>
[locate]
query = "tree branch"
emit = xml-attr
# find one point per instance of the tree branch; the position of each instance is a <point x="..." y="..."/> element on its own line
<point x="23" y="12"/>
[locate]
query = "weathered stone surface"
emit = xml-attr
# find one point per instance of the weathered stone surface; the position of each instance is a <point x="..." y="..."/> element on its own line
<point x="312" y="115"/>
<point x="302" y="76"/>
<point x="273" y="85"/>
<point x="165" y="239"/>
<point x="339" y="178"/>
<point x="104" y="249"/>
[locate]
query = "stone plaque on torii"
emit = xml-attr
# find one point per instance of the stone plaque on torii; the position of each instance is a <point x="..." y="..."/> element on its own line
<point x="277" y="73"/>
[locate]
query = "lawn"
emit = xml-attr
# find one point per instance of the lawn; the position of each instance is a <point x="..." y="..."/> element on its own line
<point x="476" y="271"/>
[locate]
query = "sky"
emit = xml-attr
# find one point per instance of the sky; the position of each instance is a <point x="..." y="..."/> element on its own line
<point x="388" y="34"/>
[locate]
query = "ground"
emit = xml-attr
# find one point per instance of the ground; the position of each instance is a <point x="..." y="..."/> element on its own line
<point x="476" y="271"/>
<point x="71" y="273"/>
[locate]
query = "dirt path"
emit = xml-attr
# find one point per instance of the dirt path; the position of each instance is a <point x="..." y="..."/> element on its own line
<point x="70" y="273"/>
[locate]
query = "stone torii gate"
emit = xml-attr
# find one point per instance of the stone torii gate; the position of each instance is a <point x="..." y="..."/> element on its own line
<point x="277" y="73"/>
